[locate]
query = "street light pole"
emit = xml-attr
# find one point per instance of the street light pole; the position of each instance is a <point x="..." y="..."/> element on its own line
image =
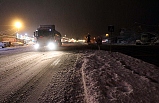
<point x="18" y="25"/>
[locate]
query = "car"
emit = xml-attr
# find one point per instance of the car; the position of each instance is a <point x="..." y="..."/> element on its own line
<point x="7" y="43"/>
<point x="17" y="44"/>
<point x="2" y="45"/>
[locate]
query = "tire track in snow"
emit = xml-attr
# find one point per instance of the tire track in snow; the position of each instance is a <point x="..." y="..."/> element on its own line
<point x="84" y="82"/>
<point x="26" y="73"/>
<point x="14" y="66"/>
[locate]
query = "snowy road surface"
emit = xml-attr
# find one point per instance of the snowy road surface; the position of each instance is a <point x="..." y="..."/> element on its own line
<point x="89" y="76"/>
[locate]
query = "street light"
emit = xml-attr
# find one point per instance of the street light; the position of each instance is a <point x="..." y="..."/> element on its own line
<point x="18" y="25"/>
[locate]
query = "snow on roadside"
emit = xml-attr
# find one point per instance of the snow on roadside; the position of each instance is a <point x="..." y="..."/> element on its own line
<point x="115" y="77"/>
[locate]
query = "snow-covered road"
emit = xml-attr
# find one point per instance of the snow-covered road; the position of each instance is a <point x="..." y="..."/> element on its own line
<point x="25" y="75"/>
<point x="88" y="76"/>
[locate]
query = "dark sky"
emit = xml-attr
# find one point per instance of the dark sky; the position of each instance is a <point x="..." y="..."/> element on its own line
<point x="77" y="18"/>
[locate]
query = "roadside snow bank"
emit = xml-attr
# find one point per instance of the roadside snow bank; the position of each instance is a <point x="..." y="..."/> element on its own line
<point x="115" y="77"/>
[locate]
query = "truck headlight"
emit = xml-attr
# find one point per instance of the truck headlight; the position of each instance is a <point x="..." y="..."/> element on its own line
<point x="51" y="46"/>
<point x="36" y="46"/>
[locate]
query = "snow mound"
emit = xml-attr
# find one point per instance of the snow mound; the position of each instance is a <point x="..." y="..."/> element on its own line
<point x="115" y="77"/>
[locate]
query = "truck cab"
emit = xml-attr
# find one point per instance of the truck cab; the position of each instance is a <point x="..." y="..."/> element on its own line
<point x="47" y="37"/>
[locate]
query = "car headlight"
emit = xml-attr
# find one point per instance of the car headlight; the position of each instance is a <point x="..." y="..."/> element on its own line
<point x="51" y="46"/>
<point x="36" y="46"/>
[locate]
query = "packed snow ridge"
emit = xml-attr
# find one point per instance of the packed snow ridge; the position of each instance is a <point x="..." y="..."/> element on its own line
<point x="115" y="78"/>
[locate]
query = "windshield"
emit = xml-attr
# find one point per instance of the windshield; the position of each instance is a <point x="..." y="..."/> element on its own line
<point x="45" y="33"/>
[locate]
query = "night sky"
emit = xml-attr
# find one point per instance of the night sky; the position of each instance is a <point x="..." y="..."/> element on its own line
<point x="78" y="18"/>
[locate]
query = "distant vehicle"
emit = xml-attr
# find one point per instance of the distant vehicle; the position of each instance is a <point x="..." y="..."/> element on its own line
<point x="2" y="45"/>
<point x="7" y="43"/>
<point x="47" y="37"/>
<point x="147" y="39"/>
<point x="17" y="44"/>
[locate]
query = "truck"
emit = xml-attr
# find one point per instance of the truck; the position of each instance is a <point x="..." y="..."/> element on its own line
<point x="47" y="37"/>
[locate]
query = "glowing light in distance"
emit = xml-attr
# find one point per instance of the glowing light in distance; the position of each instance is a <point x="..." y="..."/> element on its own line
<point x="18" y="25"/>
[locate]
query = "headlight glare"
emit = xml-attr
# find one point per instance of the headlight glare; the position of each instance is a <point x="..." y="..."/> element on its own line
<point x="51" y="46"/>
<point x="36" y="46"/>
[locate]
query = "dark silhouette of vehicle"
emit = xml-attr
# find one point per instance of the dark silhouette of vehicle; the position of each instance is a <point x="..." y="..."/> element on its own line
<point x="147" y="39"/>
